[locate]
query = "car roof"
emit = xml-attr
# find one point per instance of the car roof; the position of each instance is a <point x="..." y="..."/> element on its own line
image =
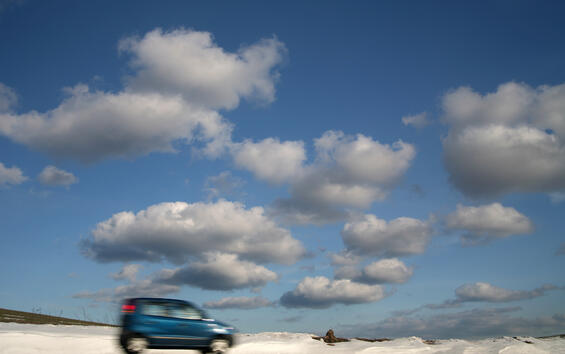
<point x="156" y="299"/>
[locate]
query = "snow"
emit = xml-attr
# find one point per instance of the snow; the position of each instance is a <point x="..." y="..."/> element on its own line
<point x="29" y="339"/>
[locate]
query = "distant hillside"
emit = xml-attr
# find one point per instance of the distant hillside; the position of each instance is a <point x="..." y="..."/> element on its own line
<point x="36" y="318"/>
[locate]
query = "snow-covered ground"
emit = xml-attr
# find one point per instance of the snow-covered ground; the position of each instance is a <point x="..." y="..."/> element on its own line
<point x="30" y="339"/>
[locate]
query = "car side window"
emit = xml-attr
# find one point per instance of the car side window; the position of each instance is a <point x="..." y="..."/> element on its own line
<point x="186" y="312"/>
<point x="154" y="309"/>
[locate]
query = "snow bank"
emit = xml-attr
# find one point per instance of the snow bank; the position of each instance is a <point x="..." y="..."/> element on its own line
<point x="31" y="339"/>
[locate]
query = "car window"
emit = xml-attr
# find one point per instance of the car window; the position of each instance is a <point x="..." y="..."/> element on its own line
<point x="154" y="309"/>
<point x="184" y="311"/>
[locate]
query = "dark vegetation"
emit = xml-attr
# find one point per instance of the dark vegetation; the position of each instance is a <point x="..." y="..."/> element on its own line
<point x="38" y="318"/>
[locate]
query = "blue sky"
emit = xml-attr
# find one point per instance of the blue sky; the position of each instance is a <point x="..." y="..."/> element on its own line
<point x="386" y="169"/>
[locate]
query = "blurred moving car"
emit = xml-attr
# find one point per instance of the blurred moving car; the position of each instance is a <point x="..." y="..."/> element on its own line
<point x="154" y="323"/>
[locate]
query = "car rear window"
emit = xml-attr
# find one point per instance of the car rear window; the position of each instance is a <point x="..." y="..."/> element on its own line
<point x="154" y="309"/>
<point x="184" y="311"/>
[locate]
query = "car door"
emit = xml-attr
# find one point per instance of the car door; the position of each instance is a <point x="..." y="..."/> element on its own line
<point x="156" y="323"/>
<point x="190" y="325"/>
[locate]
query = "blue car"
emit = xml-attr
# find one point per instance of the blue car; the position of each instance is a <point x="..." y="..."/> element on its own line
<point x="176" y="324"/>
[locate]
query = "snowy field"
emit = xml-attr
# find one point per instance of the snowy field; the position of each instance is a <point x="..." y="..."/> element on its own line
<point x="30" y="339"/>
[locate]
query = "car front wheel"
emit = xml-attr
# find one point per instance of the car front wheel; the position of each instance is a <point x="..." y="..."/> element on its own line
<point x="219" y="346"/>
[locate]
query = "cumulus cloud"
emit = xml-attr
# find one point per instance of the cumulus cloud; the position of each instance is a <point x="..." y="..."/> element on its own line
<point x="371" y="236"/>
<point x="224" y="184"/>
<point x="511" y="140"/>
<point x="270" y="159"/>
<point x="298" y="211"/>
<point x="216" y="271"/>
<point x="345" y="258"/>
<point x="143" y="288"/>
<point x="242" y="302"/>
<point x="52" y="176"/>
<point x="364" y="160"/>
<point x="489" y="293"/>
<point x="177" y="231"/>
<point x="484" y="292"/>
<point x="416" y="121"/>
<point x="219" y="272"/>
<point x="8" y="97"/>
<point x="148" y="287"/>
<point x="321" y="292"/>
<point x="390" y="270"/>
<point x="476" y="323"/>
<point x="179" y="80"/>
<point x="191" y="63"/>
<point x="128" y="272"/>
<point x="488" y="222"/>
<point x="11" y="175"/>
<point x="348" y="171"/>
<point x="90" y="126"/>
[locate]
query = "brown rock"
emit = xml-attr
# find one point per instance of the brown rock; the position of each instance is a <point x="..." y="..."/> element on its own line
<point x="331" y="338"/>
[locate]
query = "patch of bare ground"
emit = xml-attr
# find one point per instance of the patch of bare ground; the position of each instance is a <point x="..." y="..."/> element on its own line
<point x="37" y="318"/>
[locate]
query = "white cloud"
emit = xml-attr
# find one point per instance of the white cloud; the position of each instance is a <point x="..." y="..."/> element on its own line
<point x="345" y="258"/>
<point x="345" y="265"/>
<point x="486" y="292"/>
<point x="189" y="62"/>
<point x="52" y="176"/>
<point x="363" y="159"/>
<point x="11" y="175"/>
<point x="561" y="250"/>
<point x="390" y="270"/>
<point x="510" y="104"/>
<point x="486" y="322"/>
<point x="241" y="302"/>
<point x="298" y="211"/>
<point x="270" y="159"/>
<point x="416" y="121"/>
<point x="488" y="222"/>
<point x="512" y="140"/>
<point x="128" y="272"/>
<point x="176" y="231"/>
<point x="372" y="236"/>
<point x="216" y="271"/>
<point x="90" y="126"/>
<point x="8" y="97"/>
<point x="349" y="171"/>
<point x="148" y="287"/>
<point x="497" y="159"/>
<point x="387" y="271"/>
<point x="224" y="184"/>
<point x="143" y="288"/>
<point x="219" y="272"/>
<point x="179" y="81"/>
<point x="321" y="292"/>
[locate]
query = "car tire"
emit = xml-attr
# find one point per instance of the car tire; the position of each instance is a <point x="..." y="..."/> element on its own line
<point x="218" y="346"/>
<point x="135" y="344"/>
